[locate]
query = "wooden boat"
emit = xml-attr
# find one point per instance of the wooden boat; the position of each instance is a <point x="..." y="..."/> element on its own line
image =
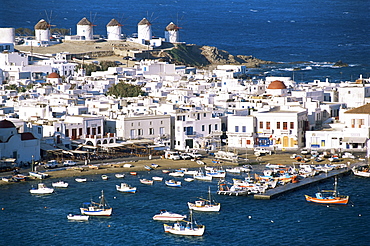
<point x="176" y="174"/>
<point x="329" y="196"/>
<point x="233" y="190"/>
<point x="154" y="165"/>
<point x="157" y="178"/>
<point x="126" y="188"/>
<point x="80" y="180"/>
<point x="19" y="177"/>
<point x="191" y="228"/>
<point x="206" y="205"/>
<point x="41" y="189"/>
<point x="104" y="177"/>
<point x="119" y="175"/>
<point x="100" y="208"/>
<point x="147" y="167"/>
<point x="146" y="181"/>
<point x="164" y="215"/>
<point x="165" y="171"/>
<point x="173" y="183"/>
<point x="78" y="217"/>
<point x="38" y="175"/>
<point x="60" y="184"/>
<point x="362" y="172"/>
<point x="200" y="176"/>
<point x="133" y="173"/>
<point x="188" y="179"/>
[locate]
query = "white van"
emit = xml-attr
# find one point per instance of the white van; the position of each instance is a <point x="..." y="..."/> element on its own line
<point x="67" y="163"/>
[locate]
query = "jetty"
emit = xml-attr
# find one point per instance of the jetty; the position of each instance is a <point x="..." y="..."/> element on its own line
<point x="273" y="193"/>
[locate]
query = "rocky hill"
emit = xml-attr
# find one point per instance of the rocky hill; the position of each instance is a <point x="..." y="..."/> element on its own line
<point x="201" y="56"/>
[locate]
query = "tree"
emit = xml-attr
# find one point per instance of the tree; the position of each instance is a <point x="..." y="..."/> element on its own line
<point x="125" y="90"/>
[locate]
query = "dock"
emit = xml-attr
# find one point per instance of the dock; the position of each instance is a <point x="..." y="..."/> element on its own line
<point x="272" y="193"/>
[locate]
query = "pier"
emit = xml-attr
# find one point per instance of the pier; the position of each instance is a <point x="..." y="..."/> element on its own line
<point x="272" y="193"/>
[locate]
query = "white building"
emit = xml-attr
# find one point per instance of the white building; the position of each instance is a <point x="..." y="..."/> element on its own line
<point x="241" y="131"/>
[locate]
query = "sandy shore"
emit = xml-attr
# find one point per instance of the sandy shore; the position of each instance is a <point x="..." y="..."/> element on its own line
<point x="116" y="166"/>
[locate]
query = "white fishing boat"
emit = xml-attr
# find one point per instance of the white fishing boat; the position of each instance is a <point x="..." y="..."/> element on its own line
<point x="100" y="208"/>
<point x="41" y="189"/>
<point x="361" y="171"/>
<point x="200" y="176"/>
<point x="173" y="183"/>
<point x="233" y="170"/>
<point x="78" y="217"/>
<point x="119" y="175"/>
<point x="205" y="205"/>
<point x="60" y="184"/>
<point x="188" y="179"/>
<point x="80" y="180"/>
<point x="146" y="181"/>
<point x="104" y="177"/>
<point x="157" y="178"/>
<point x="126" y="188"/>
<point x="38" y="175"/>
<point x="164" y="215"/>
<point x="191" y="228"/>
<point x="177" y="174"/>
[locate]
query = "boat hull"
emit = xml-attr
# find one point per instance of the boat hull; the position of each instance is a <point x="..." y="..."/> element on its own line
<point x="96" y="212"/>
<point x="126" y="189"/>
<point x="184" y="231"/>
<point x="42" y="191"/>
<point x="205" y="208"/>
<point x="78" y="217"/>
<point x="335" y="200"/>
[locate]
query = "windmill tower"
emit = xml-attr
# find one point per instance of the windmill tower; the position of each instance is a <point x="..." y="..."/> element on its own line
<point x="42" y="31"/>
<point x="85" y="29"/>
<point x="144" y="30"/>
<point x="171" y="33"/>
<point x="114" y="30"/>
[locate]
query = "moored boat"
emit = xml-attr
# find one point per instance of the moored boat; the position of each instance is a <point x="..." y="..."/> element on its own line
<point x="126" y="188"/>
<point x="104" y="177"/>
<point x="133" y="173"/>
<point x="78" y="217"/>
<point x="119" y="175"/>
<point x="157" y="178"/>
<point x="41" y="189"/>
<point x="205" y="205"/>
<point x="146" y="181"/>
<point x="100" y="208"/>
<point x="173" y="183"/>
<point x="80" y="180"/>
<point x="188" y="179"/>
<point x="38" y="175"/>
<point x="361" y="171"/>
<point x="191" y="228"/>
<point x="328" y="196"/>
<point x="164" y="215"/>
<point x="60" y="184"/>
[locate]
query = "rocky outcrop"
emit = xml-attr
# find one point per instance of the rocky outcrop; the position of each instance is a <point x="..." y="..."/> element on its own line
<point x="201" y="56"/>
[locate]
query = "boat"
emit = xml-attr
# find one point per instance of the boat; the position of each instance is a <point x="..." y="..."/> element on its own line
<point x="191" y="228"/>
<point x="165" y="171"/>
<point x="133" y="173"/>
<point x="173" y="183"/>
<point x="41" y="189"/>
<point x="157" y="178"/>
<point x="147" y="167"/>
<point x="200" y="176"/>
<point x="216" y="173"/>
<point x="168" y="216"/>
<point x="361" y="171"/>
<point x="146" y="181"/>
<point x="104" y="177"/>
<point x="199" y="162"/>
<point x="38" y="175"/>
<point x="119" y="175"/>
<point x="176" y="174"/>
<point x="60" y="184"/>
<point x="233" y="190"/>
<point x="154" y="165"/>
<point x="236" y="170"/>
<point x="206" y="205"/>
<point x="78" y="217"/>
<point x="188" y="179"/>
<point x="80" y="180"/>
<point x="19" y="177"/>
<point x="329" y="196"/>
<point x="124" y="187"/>
<point x="100" y="208"/>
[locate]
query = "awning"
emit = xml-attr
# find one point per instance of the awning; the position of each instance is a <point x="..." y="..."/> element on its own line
<point x="112" y="145"/>
<point x="47" y="147"/>
<point x="354" y="139"/>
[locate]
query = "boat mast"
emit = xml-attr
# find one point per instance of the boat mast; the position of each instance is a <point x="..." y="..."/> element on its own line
<point x="335" y="186"/>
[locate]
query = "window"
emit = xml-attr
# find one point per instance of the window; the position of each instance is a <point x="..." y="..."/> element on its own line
<point x="248" y="142"/>
<point x="236" y="128"/>
<point x="151" y="131"/>
<point x="261" y="124"/>
<point x="139" y="132"/>
<point x="291" y="125"/>
<point x="99" y="130"/>
<point x="203" y="128"/>
<point x="216" y="127"/>
<point x="80" y="131"/>
<point x="244" y="129"/>
<point x="277" y="125"/>
<point x="285" y="125"/>
<point x="268" y="125"/>
<point x="67" y="133"/>
<point x="161" y="130"/>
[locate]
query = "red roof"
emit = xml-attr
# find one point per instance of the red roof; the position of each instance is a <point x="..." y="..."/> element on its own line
<point x="6" y="124"/>
<point x="277" y="84"/>
<point x="53" y="75"/>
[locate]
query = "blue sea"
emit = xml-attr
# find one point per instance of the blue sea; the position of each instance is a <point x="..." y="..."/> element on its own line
<point x="309" y="35"/>
<point x="318" y="33"/>
<point x="286" y="220"/>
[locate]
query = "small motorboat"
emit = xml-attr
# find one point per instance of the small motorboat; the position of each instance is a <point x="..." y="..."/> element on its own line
<point x="148" y="167"/>
<point x="41" y="189"/>
<point x="168" y="216"/>
<point x="177" y="174"/>
<point x="189" y="179"/>
<point x="126" y="188"/>
<point x="60" y="184"/>
<point x="119" y="175"/>
<point x="165" y="171"/>
<point x="157" y="178"/>
<point x="80" y="180"/>
<point x="133" y="173"/>
<point x="78" y="217"/>
<point x="104" y="177"/>
<point x="154" y="165"/>
<point x="173" y="183"/>
<point x="146" y="181"/>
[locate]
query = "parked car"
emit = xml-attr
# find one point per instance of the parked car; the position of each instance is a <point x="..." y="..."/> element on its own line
<point x="51" y="164"/>
<point x="305" y="151"/>
<point x="67" y="163"/>
<point x="185" y="156"/>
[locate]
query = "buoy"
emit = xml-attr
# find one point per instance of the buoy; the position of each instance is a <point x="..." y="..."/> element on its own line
<point x="2" y="208"/>
<point x="108" y="225"/>
<point x="249" y="217"/>
<point x="359" y="215"/>
<point x="272" y="221"/>
<point x="114" y="197"/>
